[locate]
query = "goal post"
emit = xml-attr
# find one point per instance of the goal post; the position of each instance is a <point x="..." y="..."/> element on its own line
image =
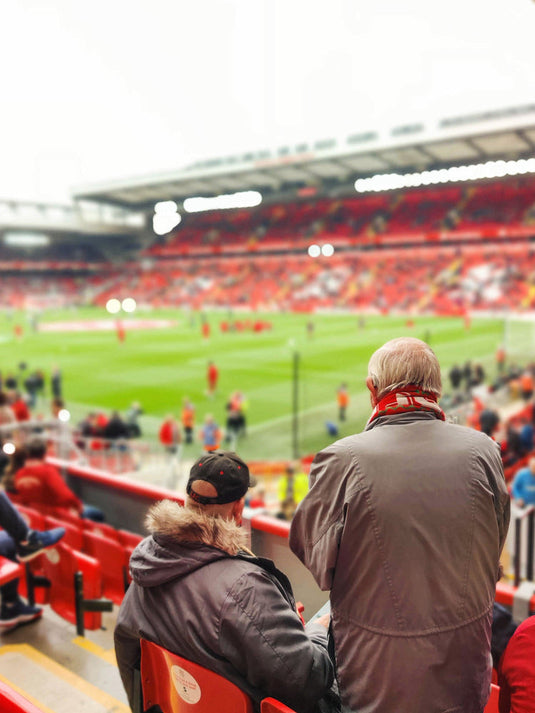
<point x="519" y="336"/>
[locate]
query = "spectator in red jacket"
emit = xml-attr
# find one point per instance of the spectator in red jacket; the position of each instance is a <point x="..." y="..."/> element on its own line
<point x="39" y="483"/>
<point x="516" y="673"/>
<point x="20" y="407"/>
<point x="212" y="377"/>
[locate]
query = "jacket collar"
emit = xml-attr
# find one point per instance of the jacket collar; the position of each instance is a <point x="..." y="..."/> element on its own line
<point x="170" y="520"/>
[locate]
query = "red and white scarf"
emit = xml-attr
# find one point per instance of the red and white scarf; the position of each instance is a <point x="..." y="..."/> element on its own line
<point x="406" y="400"/>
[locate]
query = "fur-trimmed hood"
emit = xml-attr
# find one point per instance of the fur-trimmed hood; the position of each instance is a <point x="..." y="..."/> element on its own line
<point x="182" y="541"/>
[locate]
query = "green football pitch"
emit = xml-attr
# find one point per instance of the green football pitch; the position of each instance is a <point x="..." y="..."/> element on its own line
<point x="283" y="371"/>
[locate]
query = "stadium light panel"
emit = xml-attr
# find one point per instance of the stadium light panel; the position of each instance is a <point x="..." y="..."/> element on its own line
<point x="314" y="250"/>
<point x="113" y="306"/>
<point x="129" y="304"/>
<point x="327" y="250"/>
<point x="163" y="223"/>
<point x="27" y="240"/>
<point x="242" y="199"/>
<point x="454" y="174"/>
<point x="166" y="208"/>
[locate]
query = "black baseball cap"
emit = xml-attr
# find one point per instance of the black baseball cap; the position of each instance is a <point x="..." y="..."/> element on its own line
<point x="226" y="472"/>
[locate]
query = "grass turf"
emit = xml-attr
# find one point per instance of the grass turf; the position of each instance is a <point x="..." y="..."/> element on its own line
<point x="158" y="367"/>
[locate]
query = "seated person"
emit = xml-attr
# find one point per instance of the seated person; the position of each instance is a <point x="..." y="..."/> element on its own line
<point x="18" y="542"/>
<point x="200" y="593"/>
<point x="40" y="483"/>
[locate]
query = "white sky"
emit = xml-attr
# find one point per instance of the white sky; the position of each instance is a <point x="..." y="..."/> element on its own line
<point x="114" y="88"/>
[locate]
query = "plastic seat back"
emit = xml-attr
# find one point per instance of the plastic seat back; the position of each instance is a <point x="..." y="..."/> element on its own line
<point x="73" y="535"/>
<point x="9" y="570"/>
<point x="181" y="686"/>
<point x="13" y="702"/>
<point x="60" y="564"/>
<point x="113" y="558"/>
<point x="492" y="704"/>
<point x="271" y="705"/>
<point x="34" y="518"/>
<point x="100" y="528"/>
<point x="129" y="539"/>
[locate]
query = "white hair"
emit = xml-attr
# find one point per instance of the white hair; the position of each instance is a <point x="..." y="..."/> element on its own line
<point x="405" y="361"/>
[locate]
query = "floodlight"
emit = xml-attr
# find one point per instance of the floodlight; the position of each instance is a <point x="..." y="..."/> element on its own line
<point x="64" y="416"/>
<point x="490" y="169"/>
<point x="8" y="448"/>
<point x="113" y="306"/>
<point x="327" y="250"/>
<point x="26" y="239"/>
<point x="129" y="304"/>
<point x="242" y="199"/>
<point x="165" y="207"/>
<point x="163" y="223"/>
<point x="314" y="251"/>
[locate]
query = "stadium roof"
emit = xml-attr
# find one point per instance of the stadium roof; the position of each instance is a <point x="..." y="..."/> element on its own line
<point x="496" y="135"/>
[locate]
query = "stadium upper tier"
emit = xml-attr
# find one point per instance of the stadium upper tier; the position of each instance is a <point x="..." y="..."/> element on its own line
<point x="417" y="214"/>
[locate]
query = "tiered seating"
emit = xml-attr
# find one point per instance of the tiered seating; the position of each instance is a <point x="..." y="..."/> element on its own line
<point x="97" y="549"/>
<point x="358" y="218"/>
<point x="75" y="587"/>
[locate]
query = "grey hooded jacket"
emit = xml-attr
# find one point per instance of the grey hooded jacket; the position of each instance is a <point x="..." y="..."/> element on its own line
<point x="405" y="524"/>
<point x="198" y="594"/>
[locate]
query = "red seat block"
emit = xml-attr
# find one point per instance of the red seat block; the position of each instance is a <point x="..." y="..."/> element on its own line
<point x="9" y="570"/>
<point x="182" y="686"/>
<point x="60" y="564"/>
<point x="492" y="705"/>
<point x="113" y="559"/>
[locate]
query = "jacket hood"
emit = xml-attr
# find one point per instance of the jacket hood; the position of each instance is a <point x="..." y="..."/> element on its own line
<point x="182" y="541"/>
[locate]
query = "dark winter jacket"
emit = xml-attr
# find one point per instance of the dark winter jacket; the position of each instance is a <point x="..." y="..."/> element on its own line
<point x="197" y="593"/>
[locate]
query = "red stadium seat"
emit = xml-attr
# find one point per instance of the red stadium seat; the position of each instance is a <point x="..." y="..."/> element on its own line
<point x="100" y="528"/>
<point x="13" y="702"/>
<point x="129" y="539"/>
<point x="33" y="518"/>
<point x="9" y="570"/>
<point x="270" y="705"/>
<point x="61" y="563"/>
<point x="181" y="686"/>
<point x="492" y="705"/>
<point x="73" y="537"/>
<point x="113" y="558"/>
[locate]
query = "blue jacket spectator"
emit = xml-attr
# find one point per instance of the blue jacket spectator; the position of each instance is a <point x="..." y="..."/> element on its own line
<point x="524" y="485"/>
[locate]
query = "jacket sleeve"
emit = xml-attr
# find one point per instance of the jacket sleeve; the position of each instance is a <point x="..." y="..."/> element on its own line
<point x="502" y="500"/>
<point x="517" y="490"/>
<point x="319" y="520"/>
<point x="264" y="640"/>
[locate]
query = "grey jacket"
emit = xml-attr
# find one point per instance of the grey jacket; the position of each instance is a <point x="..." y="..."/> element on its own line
<point x="405" y="524"/>
<point x="196" y="593"/>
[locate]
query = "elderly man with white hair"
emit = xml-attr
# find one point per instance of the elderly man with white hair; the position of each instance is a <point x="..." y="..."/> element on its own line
<point x="405" y="523"/>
